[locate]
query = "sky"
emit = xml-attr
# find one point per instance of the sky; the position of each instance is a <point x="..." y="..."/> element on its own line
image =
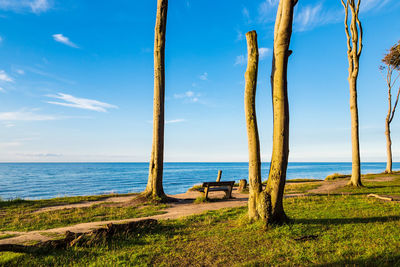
<point x="76" y="80"/>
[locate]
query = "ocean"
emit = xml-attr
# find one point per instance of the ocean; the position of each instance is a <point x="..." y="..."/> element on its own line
<point x="48" y="180"/>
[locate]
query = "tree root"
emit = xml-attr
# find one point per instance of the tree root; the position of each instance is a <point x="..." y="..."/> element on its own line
<point x="94" y="237"/>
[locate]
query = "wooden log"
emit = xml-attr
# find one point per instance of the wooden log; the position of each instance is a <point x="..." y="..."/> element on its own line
<point x="381" y="197"/>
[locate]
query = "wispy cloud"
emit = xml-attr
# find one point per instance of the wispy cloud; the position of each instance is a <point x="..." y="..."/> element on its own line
<point x="1" y="39"/>
<point x="240" y="60"/>
<point x="40" y="155"/>
<point x="2" y="90"/>
<point x="4" y="77"/>
<point x="246" y="15"/>
<point x="264" y="52"/>
<point x="267" y="10"/>
<point x="81" y="103"/>
<point x="174" y="121"/>
<point x="309" y="17"/>
<point x="239" y="36"/>
<point x="49" y="75"/>
<point x="9" y="144"/>
<point x="64" y="40"/>
<point x="189" y="96"/>
<point x="25" y="115"/>
<point x="367" y="5"/>
<point x="35" y="6"/>
<point x="204" y="76"/>
<point x="20" y="72"/>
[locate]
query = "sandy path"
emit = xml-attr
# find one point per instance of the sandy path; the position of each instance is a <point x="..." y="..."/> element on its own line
<point x="180" y="209"/>
<point x="86" y="204"/>
<point x="328" y="187"/>
<point x="174" y="211"/>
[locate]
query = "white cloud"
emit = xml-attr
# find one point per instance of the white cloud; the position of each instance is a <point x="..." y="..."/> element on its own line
<point x="2" y="90"/>
<point x="35" y="6"/>
<point x="267" y="10"/>
<point x="20" y="72"/>
<point x="367" y="5"/>
<point x="246" y="14"/>
<point x="9" y="125"/>
<point x="309" y="17"/>
<point x="174" y="121"/>
<point x="204" y="76"/>
<point x="4" y="77"/>
<point x="9" y="144"/>
<point x="64" y="40"/>
<point x="82" y="103"/>
<point x="38" y="6"/>
<point x="24" y="115"/>
<point x="240" y="36"/>
<point x="264" y="52"/>
<point x="189" y="96"/>
<point x="240" y="60"/>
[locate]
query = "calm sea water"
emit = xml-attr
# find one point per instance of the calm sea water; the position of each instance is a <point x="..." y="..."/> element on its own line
<point x="47" y="180"/>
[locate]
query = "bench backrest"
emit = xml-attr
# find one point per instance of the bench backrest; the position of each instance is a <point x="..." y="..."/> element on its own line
<point x="225" y="183"/>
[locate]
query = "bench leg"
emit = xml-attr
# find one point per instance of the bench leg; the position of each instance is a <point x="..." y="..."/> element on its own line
<point x="230" y="192"/>
<point x="206" y="192"/>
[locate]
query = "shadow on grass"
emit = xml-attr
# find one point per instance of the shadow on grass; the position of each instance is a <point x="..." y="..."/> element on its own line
<point x="339" y="221"/>
<point x="380" y="260"/>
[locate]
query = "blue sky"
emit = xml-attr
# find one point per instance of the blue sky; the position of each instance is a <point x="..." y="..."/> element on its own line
<point x="76" y="80"/>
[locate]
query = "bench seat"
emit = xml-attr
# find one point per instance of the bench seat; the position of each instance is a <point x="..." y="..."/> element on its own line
<point x="225" y="186"/>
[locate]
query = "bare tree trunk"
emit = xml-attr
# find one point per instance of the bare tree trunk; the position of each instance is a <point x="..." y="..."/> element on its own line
<point x="154" y="187"/>
<point x="388" y="148"/>
<point x="354" y="47"/>
<point x="355" y="179"/>
<point x="251" y="122"/>
<point x="280" y="150"/>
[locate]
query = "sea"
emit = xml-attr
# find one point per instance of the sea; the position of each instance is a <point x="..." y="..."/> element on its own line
<point x="48" y="180"/>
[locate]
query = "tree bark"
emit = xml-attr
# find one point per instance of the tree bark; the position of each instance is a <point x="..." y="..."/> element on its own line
<point x="251" y="123"/>
<point x="354" y="47"/>
<point x="154" y="187"/>
<point x="388" y="148"/>
<point x="280" y="148"/>
<point x="355" y="179"/>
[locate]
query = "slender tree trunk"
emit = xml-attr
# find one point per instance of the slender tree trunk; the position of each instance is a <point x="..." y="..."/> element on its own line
<point x="354" y="36"/>
<point x="251" y="122"/>
<point x="355" y="139"/>
<point x="280" y="149"/>
<point x="154" y="187"/>
<point x="388" y="148"/>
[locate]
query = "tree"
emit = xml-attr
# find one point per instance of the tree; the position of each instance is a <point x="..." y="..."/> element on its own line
<point x="269" y="202"/>
<point x="354" y="48"/>
<point x="255" y="194"/>
<point x="154" y="187"/>
<point x="392" y="62"/>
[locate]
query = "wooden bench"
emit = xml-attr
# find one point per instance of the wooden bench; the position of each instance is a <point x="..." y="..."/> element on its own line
<point x="218" y="186"/>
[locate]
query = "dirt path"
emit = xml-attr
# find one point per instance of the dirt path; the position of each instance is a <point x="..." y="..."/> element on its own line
<point x="328" y="187"/>
<point x="86" y="204"/>
<point x="184" y="207"/>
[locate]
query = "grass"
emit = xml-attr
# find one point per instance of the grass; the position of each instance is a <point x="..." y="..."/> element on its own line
<point x="19" y="215"/>
<point x="37" y="204"/>
<point x="300" y="188"/>
<point x="376" y="187"/>
<point x="349" y="229"/>
<point x="336" y="176"/>
<point x="324" y="230"/>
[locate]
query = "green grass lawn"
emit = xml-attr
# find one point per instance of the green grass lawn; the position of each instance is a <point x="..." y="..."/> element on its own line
<point x="324" y="230"/>
<point x="18" y="215"/>
<point x="349" y="229"/>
